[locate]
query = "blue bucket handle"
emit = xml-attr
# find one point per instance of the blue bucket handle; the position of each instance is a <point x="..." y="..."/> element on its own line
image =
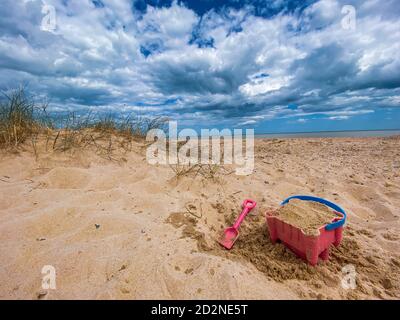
<point x="332" y="205"/>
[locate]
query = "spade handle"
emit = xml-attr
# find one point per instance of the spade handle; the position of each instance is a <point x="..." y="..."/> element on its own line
<point x="247" y="205"/>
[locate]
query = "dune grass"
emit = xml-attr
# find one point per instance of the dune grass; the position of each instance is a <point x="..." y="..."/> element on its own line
<point x="23" y="121"/>
<point x="17" y="120"/>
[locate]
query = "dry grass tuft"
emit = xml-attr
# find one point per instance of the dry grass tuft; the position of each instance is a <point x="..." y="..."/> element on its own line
<point x="17" y="119"/>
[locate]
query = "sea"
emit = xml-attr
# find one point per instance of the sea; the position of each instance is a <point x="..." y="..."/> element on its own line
<point x="325" y="134"/>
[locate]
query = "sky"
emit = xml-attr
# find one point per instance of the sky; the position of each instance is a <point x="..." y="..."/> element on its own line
<point x="274" y="66"/>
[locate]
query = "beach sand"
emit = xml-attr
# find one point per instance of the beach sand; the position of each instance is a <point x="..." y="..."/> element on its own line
<point x="125" y="229"/>
<point x="308" y="216"/>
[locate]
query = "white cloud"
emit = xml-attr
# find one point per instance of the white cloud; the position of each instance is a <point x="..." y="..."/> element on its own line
<point x="205" y="66"/>
<point x="264" y="85"/>
<point x="247" y="122"/>
<point x="339" y="118"/>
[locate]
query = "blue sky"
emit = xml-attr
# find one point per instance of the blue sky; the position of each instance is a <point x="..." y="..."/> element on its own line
<point x="276" y="66"/>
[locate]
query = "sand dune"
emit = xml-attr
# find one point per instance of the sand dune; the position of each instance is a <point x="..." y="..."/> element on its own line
<point x="128" y="230"/>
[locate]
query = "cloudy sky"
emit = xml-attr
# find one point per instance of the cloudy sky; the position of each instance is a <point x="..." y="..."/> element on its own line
<point x="276" y="66"/>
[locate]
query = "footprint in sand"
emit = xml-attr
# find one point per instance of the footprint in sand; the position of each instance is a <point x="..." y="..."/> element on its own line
<point x="54" y="222"/>
<point x="10" y="198"/>
<point x="362" y="213"/>
<point x="362" y="194"/>
<point x="383" y="213"/>
<point x="150" y="187"/>
<point x="66" y="178"/>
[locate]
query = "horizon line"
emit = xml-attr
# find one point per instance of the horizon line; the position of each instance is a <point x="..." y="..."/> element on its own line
<point x="327" y="131"/>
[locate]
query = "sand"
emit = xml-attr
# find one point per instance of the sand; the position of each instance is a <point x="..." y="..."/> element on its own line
<point x="308" y="216"/>
<point x="125" y="229"/>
